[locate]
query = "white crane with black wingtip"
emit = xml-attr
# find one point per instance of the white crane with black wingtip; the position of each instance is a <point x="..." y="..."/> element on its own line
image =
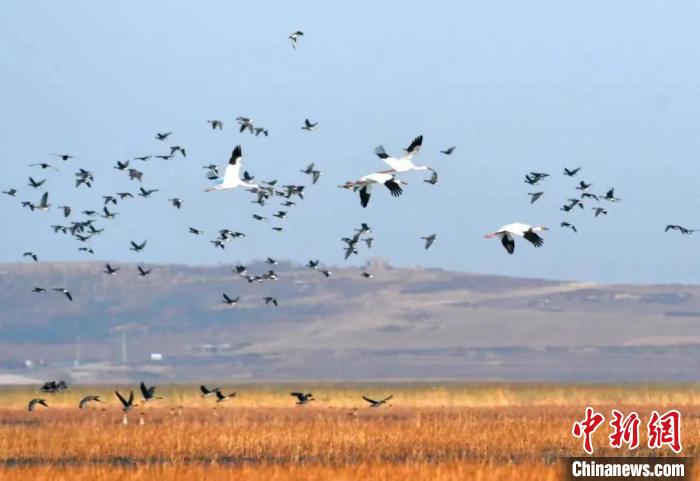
<point x="526" y="231"/>
<point x="364" y="184"/>
<point x="232" y="178"/>
<point x="405" y="162"/>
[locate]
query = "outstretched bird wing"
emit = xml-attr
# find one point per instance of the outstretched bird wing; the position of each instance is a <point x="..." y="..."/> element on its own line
<point x="233" y="169"/>
<point x="124" y="402"/>
<point x="365" y="193"/>
<point x="412" y="149"/>
<point x="532" y="237"/>
<point x="508" y="243"/>
<point x="393" y="187"/>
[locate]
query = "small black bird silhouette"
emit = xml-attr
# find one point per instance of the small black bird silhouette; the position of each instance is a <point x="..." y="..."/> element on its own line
<point x="137" y="247"/>
<point x="64" y="291"/>
<point x="230" y="301"/>
<point x="143" y="272"/>
<point x="294" y="37"/>
<point x="163" y="136"/>
<point x="303" y="398"/>
<point x="34" y="402"/>
<point x="429" y="240"/>
<point x="375" y="403"/>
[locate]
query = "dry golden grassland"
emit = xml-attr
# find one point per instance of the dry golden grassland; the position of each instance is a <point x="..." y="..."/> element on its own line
<point x="431" y="432"/>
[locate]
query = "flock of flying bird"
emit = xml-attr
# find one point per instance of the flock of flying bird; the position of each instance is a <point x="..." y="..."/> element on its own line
<point x="85" y="229"/>
<point x="148" y="394"/>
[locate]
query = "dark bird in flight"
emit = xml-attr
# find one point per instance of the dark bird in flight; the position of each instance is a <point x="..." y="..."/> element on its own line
<point x="367" y="275"/>
<point x="326" y="273"/>
<point x="163" y="136"/>
<point x="86" y="249"/>
<point x="10" y="192"/>
<point x="303" y="398"/>
<point x="313" y="264"/>
<point x="568" y="225"/>
<point x="534" y="196"/>
<point x="221" y="397"/>
<point x="294" y="37"/>
<point x="146" y="193"/>
<point x="433" y="178"/>
<point x="35" y="184"/>
<point x="216" y="124"/>
<point x="66" y="210"/>
<point x="176" y="202"/>
<point x="599" y="210"/>
<point x="143" y="158"/>
<point x="582" y="186"/>
<point x="610" y="196"/>
<point x="34" y="402"/>
<point x="533" y="178"/>
<point x="38" y="289"/>
<point x="127" y="404"/>
<point x="679" y="228"/>
<point x="148" y="393"/>
<point x="135" y="174"/>
<point x="269" y="300"/>
<point x="588" y="195"/>
<point x="571" y="172"/>
<point x="122" y="165"/>
<point x="245" y="123"/>
<point x="32" y="255"/>
<point x="88" y="399"/>
<point x="54" y="387"/>
<point x="177" y="148"/>
<point x="449" y="150"/>
<point x="64" y="291"/>
<point x="375" y="403"/>
<point x="194" y="231"/>
<point x="143" y="272"/>
<point x="107" y="214"/>
<point x="429" y="240"/>
<point x="308" y="125"/>
<point x="208" y="392"/>
<point x="230" y="301"/>
<point x="44" y="165"/>
<point x="64" y="157"/>
<point x="364" y="229"/>
<point x="137" y="247"/>
<point x="111" y="270"/>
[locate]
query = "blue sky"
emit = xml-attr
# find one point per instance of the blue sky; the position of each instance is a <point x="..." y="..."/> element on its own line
<point x="517" y="86"/>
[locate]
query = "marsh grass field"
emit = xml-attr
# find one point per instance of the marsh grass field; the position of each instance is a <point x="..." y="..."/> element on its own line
<point x="443" y="431"/>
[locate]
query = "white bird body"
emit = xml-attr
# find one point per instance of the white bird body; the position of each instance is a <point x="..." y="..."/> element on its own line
<point x="364" y="185"/>
<point x="232" y="178"/>
<point x="519" y="229"/>
<point x="405" y="162"/>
